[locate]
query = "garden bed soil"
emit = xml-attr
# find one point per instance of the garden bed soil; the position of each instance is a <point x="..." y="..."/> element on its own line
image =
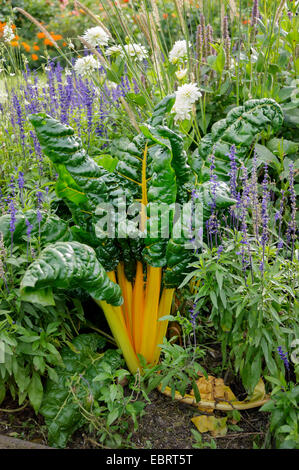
<point x="166" y="424"/>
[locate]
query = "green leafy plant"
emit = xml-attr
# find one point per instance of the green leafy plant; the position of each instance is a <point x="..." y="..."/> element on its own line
<point x="247" y="324"/>
<point x="179" y="369"/>
<point x="283" y="407"/>
<point x="87" y="392"/>
<point x="240" y="127"/>
<point x="200" y="443"/>
<point x="31" y="337"/>
<point x="153" y="169"/>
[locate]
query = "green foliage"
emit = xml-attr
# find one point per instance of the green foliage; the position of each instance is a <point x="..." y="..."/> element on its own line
<point x="240" y="127"/>
<point x="179" y="254"/>
<point x="283" y="406"/>
<point x="86" y="185"/>
<point x="178" y="370"/>
<point x="200" y="443"/>
<point x="250" y="314"/>
<point x="29" y="354"/>
<point x="49" y="230"/>
<point x="68" y="266"/>
<point x="87" y="392"/>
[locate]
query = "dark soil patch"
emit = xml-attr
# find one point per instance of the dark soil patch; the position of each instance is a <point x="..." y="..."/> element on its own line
<point x="166" y="424"/>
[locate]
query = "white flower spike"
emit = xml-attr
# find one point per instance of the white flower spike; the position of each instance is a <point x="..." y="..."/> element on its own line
<point x="8" y="33"/>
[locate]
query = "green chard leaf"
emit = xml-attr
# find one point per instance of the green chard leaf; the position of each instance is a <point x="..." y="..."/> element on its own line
<point x="240" y="127"/>
<point x="51" y="227"/>
<point x="68" y="265"/>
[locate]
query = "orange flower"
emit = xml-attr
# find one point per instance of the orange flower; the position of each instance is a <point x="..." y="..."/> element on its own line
<point x="64" y="44"/>
<point x="2" y="25"/>
<point x="40" y="35"/>
<point x="26" y="46"/>
<point x="2" y="28"/>
<point x="165" y="15"/>
<point x="34" y="57"/>
<point x="56" y="37"/>
<point x="245" y="21"/>
<point x="16" y="37"/>
<point x="36" y="47"/>
<point x="14" y="43"/>
<point x="47" y="42"/>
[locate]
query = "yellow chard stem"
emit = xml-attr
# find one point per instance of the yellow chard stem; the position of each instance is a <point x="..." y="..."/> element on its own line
<point x="138" y="306"/>
<point x="126" y="288"/>
<point x="164" y="309"/>
<point x="150" y="312"/>
<point x="118" y="329"/>
<point x="111" y="275"/>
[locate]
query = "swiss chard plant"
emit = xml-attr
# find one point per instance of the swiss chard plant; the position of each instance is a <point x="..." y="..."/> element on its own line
<point x="132" y="274"/>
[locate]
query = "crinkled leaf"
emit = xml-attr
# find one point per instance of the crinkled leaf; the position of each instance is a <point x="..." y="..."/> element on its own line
<point x="52" y="228"/>
<point x="68" y="265"/>
<point x="240" y="127"/>
<point x="82" y="183"/>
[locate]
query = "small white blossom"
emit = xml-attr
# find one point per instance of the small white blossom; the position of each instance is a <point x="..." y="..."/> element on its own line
<point x="111" y="85"/>
<point x="96" y="36"/>
<point x="86" y="65"/>
<point x="113" y="50"/>
<point x="182" y="111"/>
<point x="185" y="96"/>
<point x="97" y="92"/>
<point x="3" y="96"/>
<point x="179" y="51"/>
<point x="8" y="33"/>
<point x="180" y="74"/>
<point x="188" y="92"/>
<point x="136" y="51"/>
